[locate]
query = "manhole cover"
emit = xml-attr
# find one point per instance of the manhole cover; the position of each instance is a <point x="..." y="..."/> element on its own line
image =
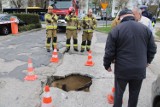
<point x="73" y="82"/>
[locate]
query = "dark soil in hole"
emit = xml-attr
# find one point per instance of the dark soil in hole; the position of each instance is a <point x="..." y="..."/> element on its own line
<point x="74" y="82"/>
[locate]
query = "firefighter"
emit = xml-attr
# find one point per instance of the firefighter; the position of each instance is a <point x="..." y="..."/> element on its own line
<point x="71" y="29"/>
<point x="51" y="29"/>
<point x="89" y="24"/>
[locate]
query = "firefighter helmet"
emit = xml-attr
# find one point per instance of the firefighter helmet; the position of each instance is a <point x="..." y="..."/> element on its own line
<point x="71" y="9"/>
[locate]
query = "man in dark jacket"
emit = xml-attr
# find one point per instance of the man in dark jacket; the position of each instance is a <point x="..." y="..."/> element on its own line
<point x="132" y="46"/>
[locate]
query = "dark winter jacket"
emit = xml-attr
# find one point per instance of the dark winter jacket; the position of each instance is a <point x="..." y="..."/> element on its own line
<point x="147" y="14"/>
<point x="132" y="46"/>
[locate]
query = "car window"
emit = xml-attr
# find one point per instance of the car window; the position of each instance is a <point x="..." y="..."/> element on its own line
<point x="6" y="18"/>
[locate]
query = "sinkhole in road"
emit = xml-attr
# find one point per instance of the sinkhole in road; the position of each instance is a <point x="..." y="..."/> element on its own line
<point x="73" y="82"/>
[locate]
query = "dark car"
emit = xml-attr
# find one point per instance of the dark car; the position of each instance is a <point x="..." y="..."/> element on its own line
<point x="156" y="92"/>
<point x="5" y="28"/>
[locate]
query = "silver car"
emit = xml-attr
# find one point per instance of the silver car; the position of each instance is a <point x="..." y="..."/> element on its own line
<point x="156" y="92"/>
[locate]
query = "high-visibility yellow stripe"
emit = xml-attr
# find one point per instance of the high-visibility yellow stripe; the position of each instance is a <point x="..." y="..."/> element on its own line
<point x="88" y="30"/>
<point x="86" y="18"/>
<point x="68" y="45"/>
<point x="71" y="27"/>
<point x="153" y="23"/>
<point x="54" y="27"/>
<point x="83" y="46"/>
<point x="48" y="45"/>
<point x="74" y="18"/>
<point x="54" y="44"/>
<point x="75" y="45"/>
<point x="51" y="27"/>
<point x="88" y="46"/>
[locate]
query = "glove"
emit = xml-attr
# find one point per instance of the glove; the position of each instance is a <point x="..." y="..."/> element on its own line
<point x="92" y="28"/>
<point x="48" y="21"/>
<point x="53" y="16"/>
<point x="87" y="24"/>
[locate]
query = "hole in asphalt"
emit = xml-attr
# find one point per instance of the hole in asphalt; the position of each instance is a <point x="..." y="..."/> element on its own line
<point x="73" y="82"/>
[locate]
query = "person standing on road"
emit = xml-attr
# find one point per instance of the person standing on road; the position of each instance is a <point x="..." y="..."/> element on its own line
<point x="142" y="19"/>
<point x="89" y="24"/>
<point x="132" y="46"/>
<point x="51" y="28"/>
<point x="71" y="30"/>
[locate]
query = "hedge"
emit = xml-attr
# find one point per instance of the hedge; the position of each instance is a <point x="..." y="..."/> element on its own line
<point x="32" y="21"/>
<point x="29" y="27"/>
<point x="158" y="19"/>
<point x="28" y="18"/>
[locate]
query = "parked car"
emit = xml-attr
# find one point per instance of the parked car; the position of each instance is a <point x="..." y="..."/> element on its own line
<point x="109" y="17"/>
<point x="80" y="16"/>
<point x="156" y="92"/>
<point x="98" y="17"/>
<point x="6" y="27"/>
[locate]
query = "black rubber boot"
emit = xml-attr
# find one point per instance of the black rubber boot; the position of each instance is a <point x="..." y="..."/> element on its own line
<point x="75" y="49"/>
<point x="88" y="49"/>
<point x="67" y="49"/>
<point x="54" y="41"/>
<point x="82" y="50"/>
<point x="48" y="50"/>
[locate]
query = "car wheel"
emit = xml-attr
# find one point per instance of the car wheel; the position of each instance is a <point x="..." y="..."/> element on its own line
<point x="158" y="104"/>
<point x="5" y="30"/>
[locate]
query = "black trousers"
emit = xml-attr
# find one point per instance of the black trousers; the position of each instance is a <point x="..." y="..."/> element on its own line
<point x="134" y="89"/>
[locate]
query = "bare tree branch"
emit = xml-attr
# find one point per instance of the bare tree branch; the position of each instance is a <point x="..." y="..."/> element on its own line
<point x="121" y="4"/>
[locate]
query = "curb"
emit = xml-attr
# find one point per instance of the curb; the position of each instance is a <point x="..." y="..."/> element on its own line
<point x="9" y="36"/>
<point x="101" y="32"/>
<point x="38" y="29"/>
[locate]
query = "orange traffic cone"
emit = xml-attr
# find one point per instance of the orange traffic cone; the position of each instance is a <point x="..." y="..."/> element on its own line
<point x="54" y="56"/>
<point x="47" y="99"/>
<point x="31" y="76"/>
<point x="89" y="61"/>
<point x="110" y="97"/>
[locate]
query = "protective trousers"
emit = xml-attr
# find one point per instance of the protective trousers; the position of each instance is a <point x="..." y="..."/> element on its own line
<point x="86" y="40"/>
<point x="51" y="38"/>
<point x="73" y="34"/>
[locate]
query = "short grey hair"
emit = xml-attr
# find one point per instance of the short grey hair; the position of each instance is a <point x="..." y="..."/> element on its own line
<point x="137" y="9"/>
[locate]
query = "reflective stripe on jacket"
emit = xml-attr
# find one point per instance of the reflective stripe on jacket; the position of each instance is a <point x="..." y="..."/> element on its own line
<point x="51" y="21"/>
<point x="89" y="23"/>
<point x="72" y="22"/>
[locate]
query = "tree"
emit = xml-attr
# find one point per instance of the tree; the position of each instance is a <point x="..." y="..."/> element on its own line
<point x="144" y="2"/>
<point x="31" y="3"/>
<point x="17" y="3"/>
<point x="96" y="2"/>
<point x="120" y="4"/>
<point x="38" y="3"/>
<point x="41" y="3"/>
